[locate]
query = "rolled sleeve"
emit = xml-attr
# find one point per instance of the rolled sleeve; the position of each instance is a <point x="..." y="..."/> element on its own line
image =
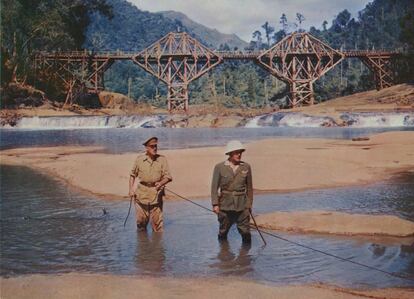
<point x="135" y="169"/>
<point x="166" y="173"/>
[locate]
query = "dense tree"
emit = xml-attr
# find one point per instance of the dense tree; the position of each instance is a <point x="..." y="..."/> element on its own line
<point x="342" y="20"/>
<point x="278" y="36"/>
<point x="284" y="23"/>
<point x="382" y="24"/>
<point x="67" y="25"/>
<point x="324" y="24"/>
<point x="258" y="36"/>
<point x="407" y="38"/>
<point x="29" y="25"/>
<point x="268" y="32"/>
<point x="407" y="26"/>
<point x="300" y="18"/>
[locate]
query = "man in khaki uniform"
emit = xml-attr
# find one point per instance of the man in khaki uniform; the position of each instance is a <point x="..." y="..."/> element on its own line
<point x="153" y="174"/>
<point x="232" y="192"/>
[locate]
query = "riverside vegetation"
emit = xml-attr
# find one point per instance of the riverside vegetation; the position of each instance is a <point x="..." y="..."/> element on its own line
<point x="118" y="25"/>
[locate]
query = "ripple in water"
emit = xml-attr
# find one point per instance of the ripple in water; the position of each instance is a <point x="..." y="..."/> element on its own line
<point x="48" y="228"/>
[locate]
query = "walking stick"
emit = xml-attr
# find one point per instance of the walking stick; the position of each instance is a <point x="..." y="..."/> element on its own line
<point x="257" y="228"/>
<point x="129" y="210"/>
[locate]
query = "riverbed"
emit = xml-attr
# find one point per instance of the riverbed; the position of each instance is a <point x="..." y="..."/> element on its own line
<point x="49" y="227"/>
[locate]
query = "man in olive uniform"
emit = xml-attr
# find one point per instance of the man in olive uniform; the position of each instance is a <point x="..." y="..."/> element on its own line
<point x="232" y="192"/>
<point x="153" y="174"/>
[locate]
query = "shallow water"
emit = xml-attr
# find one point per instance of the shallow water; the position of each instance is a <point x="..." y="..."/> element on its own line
<point x="49" y="228"/>
<point x="127" y="140"/>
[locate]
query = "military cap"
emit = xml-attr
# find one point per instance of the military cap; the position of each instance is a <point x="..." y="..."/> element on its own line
<point x="151" y="141"/>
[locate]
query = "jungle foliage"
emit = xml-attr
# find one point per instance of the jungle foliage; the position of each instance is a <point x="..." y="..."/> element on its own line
<point x="97" y="25"/>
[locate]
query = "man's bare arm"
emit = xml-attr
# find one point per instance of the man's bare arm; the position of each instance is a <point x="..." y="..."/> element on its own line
<point x="131" y="186"/>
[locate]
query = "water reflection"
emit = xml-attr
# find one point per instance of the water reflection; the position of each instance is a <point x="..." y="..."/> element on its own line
<point x="409" y="249"/>
<point x="68" y="232"/>
<point x="377" y="249"/>
<point x="231" y="264"/>
<point x="150" y="257"/>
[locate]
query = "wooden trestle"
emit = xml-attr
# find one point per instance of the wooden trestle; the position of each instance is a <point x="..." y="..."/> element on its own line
<point x="177" y="59"/>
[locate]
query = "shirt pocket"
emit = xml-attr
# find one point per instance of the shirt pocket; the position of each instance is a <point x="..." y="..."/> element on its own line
<point x="157" y="172"/>
<point x="225" y="179"/>
<point x="244" y="173"/>
<point x="242" y="177"/>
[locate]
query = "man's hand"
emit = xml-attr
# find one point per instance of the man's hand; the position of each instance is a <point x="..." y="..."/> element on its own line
<point x="158" y="185"/>
<point x="131" y="192"/>
<point x="216" y="209"/>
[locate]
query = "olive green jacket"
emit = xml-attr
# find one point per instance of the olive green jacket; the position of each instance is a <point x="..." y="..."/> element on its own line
<point x="232" y="191"/>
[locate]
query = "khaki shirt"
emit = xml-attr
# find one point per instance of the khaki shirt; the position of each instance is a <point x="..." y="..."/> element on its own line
<point x="150" y="171"/>
<point x="232" y="190"/>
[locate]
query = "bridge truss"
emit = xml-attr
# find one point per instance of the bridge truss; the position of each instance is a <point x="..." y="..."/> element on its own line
<point x="177" y="59"/>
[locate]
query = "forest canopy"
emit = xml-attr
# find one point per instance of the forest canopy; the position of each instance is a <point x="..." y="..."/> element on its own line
<point x="41" y="25"/>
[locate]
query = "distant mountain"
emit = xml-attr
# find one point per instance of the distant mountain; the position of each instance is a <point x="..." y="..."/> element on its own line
<point x="244" y="84"/>
<point x="134" y="29"/>
<point x="210" y="36"/>
<point x="131" y="29"/>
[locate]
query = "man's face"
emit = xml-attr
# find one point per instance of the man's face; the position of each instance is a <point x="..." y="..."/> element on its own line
<point x="235" y="156"/>
<point x="152" y="149"/>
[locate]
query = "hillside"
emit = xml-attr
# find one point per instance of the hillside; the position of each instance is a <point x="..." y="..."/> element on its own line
<point x="210" y="36"/>
<point x="101" y="25"/>
<point x="396" y="98"/>
<point x="134" y="29"/>
<point x="130" y="29"/>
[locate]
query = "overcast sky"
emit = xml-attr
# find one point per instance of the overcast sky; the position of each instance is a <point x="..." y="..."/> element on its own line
<point x="243" y="17"/>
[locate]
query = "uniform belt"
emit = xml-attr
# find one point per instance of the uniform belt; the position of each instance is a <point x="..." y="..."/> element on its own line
<point x="147" y="184"/>
<point x="233" y="192"/>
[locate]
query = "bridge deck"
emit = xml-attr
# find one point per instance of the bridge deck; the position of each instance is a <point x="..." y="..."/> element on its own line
<point x="232" y="55"/>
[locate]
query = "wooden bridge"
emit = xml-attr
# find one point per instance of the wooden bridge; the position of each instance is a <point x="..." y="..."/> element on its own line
<point x="177" y="59"/>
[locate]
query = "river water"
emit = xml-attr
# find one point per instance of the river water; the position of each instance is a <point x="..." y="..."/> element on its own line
<point x="47" y="227"/>
<point x="118" y="140"/>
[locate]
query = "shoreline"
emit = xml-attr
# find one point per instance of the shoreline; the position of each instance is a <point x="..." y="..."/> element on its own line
<point x="171" y="197"/>
<point x="79" y="285"/>
<point x="297" y="223"/>
<point x="328" y="222"/>
<point x="288" y="118"/>
<point x="279" y="165"/>
<point x="395" y="99"/>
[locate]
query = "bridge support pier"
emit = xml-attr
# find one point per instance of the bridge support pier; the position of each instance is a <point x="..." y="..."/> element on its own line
<point x="381" y="66"/>
<point x="301" y="93"/>
<point x="78" y="71"/>
<point x="177" y="59"/>
<point x="96" y="77"/>
<point x="177" y="100"/>
<point x="299" y="60"/>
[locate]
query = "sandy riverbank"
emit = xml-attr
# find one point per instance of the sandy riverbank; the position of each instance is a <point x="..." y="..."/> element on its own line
<point x="110" y="286"/>
<point x="393" y="99"/>
<point x="330" y="222"/>
<point x="278" y="164"/>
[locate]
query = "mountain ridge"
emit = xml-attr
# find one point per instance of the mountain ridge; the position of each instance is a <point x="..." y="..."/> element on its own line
<point x="211" y="36"/>
<point x="133" y="29"/>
